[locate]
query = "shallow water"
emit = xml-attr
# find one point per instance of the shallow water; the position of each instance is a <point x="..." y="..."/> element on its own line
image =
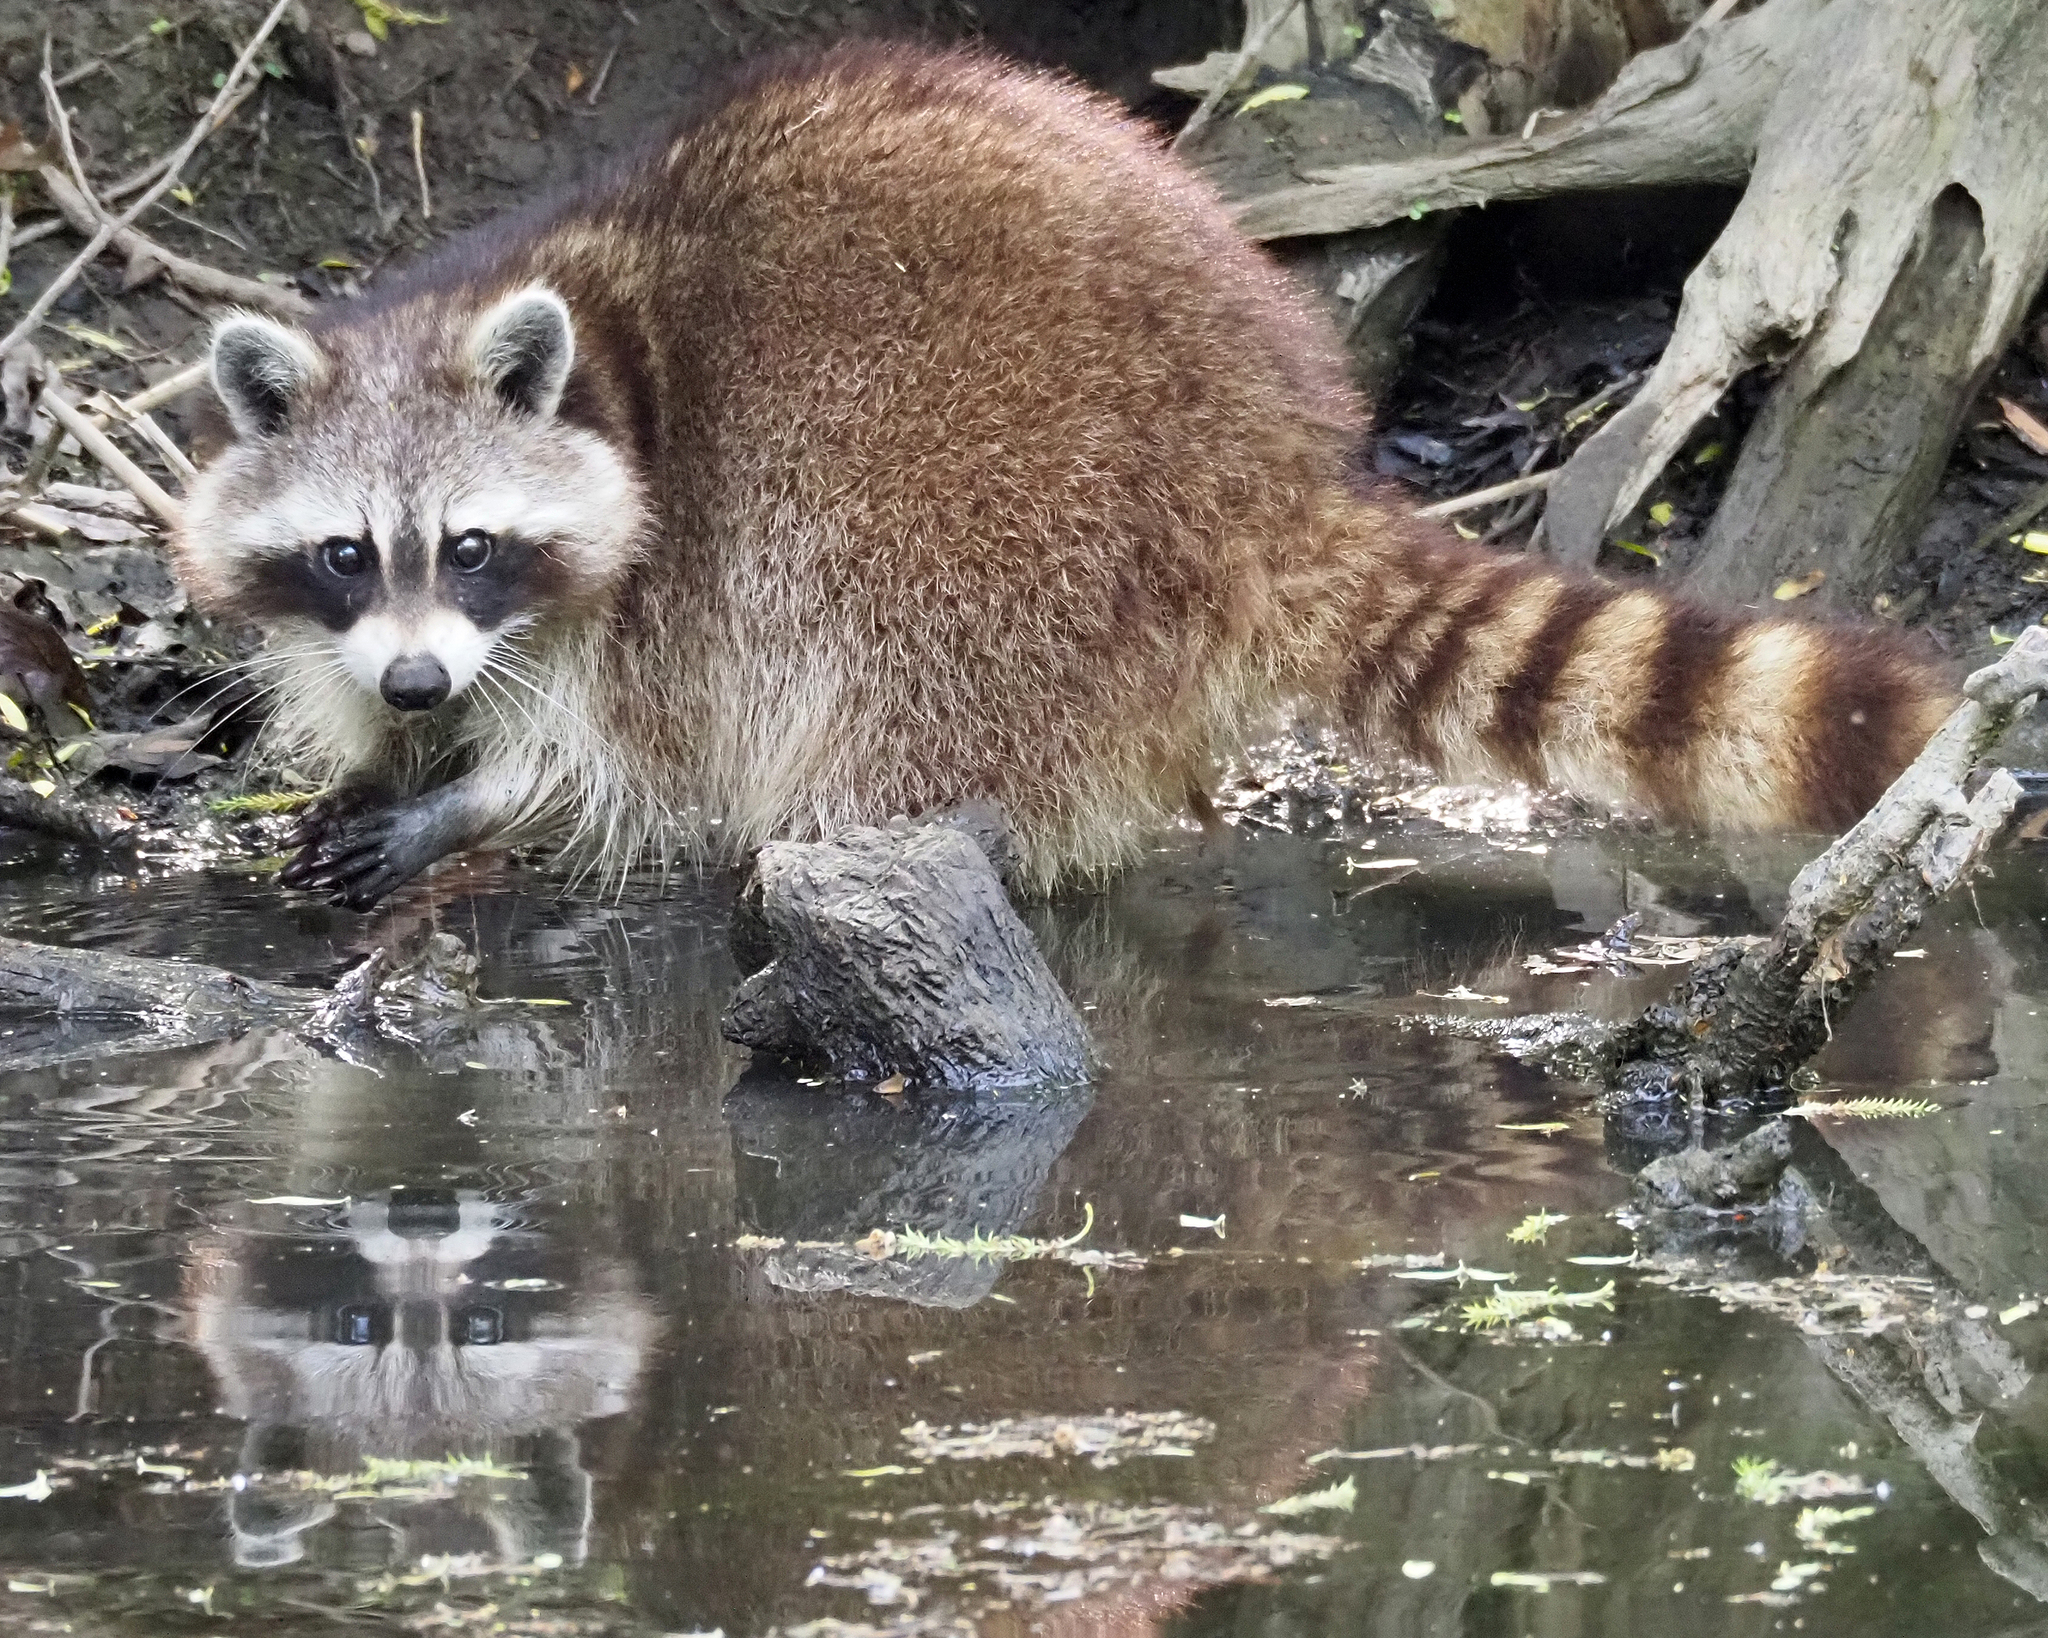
<point x="535" y="1258"/>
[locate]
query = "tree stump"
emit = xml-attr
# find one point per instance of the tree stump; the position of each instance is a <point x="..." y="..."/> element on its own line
<point x="897" y="952"/>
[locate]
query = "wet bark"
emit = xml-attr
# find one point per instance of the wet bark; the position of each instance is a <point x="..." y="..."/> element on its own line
<point x="201" y="1002"/>
<point x="898" y="953"/>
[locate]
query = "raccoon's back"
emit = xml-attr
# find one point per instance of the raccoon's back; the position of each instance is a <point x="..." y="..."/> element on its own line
<point x="979" y="436"/>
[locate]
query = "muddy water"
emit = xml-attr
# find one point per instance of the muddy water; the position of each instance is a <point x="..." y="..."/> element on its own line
<point x="562" y="1321"/>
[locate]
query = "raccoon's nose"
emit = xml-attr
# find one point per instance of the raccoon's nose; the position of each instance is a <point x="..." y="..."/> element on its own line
<point x="414" y="682"/>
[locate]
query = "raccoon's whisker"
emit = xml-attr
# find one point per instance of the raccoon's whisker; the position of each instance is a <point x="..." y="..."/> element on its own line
<point x="519" y="675"/>
<point x="243" y="670"/>
<point x="498" y="693"/>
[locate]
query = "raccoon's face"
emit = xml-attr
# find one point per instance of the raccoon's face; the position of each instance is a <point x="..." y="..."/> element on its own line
<point x="402" y="496"/>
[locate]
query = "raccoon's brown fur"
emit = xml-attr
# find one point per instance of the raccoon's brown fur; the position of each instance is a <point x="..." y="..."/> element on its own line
<point x="976" y="455"/>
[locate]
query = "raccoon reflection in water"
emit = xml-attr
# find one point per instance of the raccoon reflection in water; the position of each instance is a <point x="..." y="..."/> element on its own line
<point x="906" y="429"/>
<point x="402" y="1360"/>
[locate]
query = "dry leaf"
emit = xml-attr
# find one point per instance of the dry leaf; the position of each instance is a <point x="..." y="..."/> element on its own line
<point x="17" y="153"/>
<point x="2025" y="427"/>
<point x="1789" y="589"/>
<point x="572" y="82"/>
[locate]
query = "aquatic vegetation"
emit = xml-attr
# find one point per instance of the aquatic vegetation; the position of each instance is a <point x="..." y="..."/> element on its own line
<point x="1534" y="1229"/>
<point x="1506" y="1308"/>
<point x="1868" y="1109"/>
<point x="1338" y="1498"/>
<point x="1762" y="1479"/>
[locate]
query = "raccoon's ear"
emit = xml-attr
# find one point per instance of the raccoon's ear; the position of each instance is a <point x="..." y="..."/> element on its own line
<point x="521" y="349"/>
<point x="260" y="369"/>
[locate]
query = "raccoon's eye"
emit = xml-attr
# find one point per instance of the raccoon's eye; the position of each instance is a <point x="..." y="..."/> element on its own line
<point x="344" y="557"/>
<point x="471" y="551"/>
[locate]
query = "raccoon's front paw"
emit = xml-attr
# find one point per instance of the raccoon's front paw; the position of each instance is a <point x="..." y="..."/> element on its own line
<point x="357" y="860"/>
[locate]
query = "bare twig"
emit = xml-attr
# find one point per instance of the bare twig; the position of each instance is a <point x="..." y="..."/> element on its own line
<point x="604" y="73"/>
<point x="104" y="450"/>
<point x="2035" y="503"/>
<point x="1254" y="43"/>
<point x="40" y="308"/>
<point x="194" y="276"/>
<point x="168" y="390"/>
<point x="1486" y="497"/>
<point x="419" y="163"/>
<point x="92" y="65"/>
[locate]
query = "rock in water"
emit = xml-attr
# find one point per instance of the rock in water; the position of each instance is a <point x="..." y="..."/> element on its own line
<point x="897" y="952"/>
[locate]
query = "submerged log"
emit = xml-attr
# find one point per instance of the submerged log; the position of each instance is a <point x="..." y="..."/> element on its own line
<point x="102" y="1001"/>
<point x="897" y="952"/>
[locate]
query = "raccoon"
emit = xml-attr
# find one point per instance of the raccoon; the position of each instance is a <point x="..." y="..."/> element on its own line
<point x="906" y="428"/>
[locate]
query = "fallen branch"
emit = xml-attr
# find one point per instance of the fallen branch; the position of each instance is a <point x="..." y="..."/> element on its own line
<point x="39" y="309"/>
<point x="1451" y="508"/>
<point x="187" y="1003"/>
<point x="1686" y="112"/>
<point x="1745" y="1019"/>
<point x="104" y="450"/>
<point x="196" y="277"/>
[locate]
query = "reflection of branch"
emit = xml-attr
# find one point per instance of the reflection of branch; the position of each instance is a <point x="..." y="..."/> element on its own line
<point x="1913" y="1372"/>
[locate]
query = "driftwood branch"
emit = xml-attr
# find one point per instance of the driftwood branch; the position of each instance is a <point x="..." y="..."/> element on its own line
<point x="1746" y="1019"/>
<point x="152" y="1004"/>
<point x="1687" y="112"/>
<point x="1893" y="230"/>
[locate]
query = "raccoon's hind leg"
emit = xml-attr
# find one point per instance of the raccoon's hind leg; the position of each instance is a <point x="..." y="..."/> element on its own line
<point x="357" y="853"/>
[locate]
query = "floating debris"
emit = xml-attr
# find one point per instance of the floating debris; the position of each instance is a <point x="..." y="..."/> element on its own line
<point x="1544" y="1580"/>
<point x="1534" y="1229"/>
<point x="1506" y="1308"/>
<point x="1868" y="1109"/>
<point x="1076" y="1550"/>
<point x="1673" y="1459"/>
<point x="1419" y="1453"/>
<point x="1190" y="1221"/>
<point x="1338" y="1498"/>
<point x="1106" y="1440"/>
<point x="910" y="1243"/>
<point x="1814" y="1523"/>
<point x="1819" y="1304"/>
<point x="1761" y="1479"/>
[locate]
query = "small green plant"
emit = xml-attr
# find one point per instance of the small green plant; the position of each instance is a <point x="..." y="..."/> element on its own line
<point x="262" y="802"/>
<point x="1506" y="1308"/>
<point x="1534" y="1229"/>
<point x="379" y="15"/>
<point x="1869" y="1109"/>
